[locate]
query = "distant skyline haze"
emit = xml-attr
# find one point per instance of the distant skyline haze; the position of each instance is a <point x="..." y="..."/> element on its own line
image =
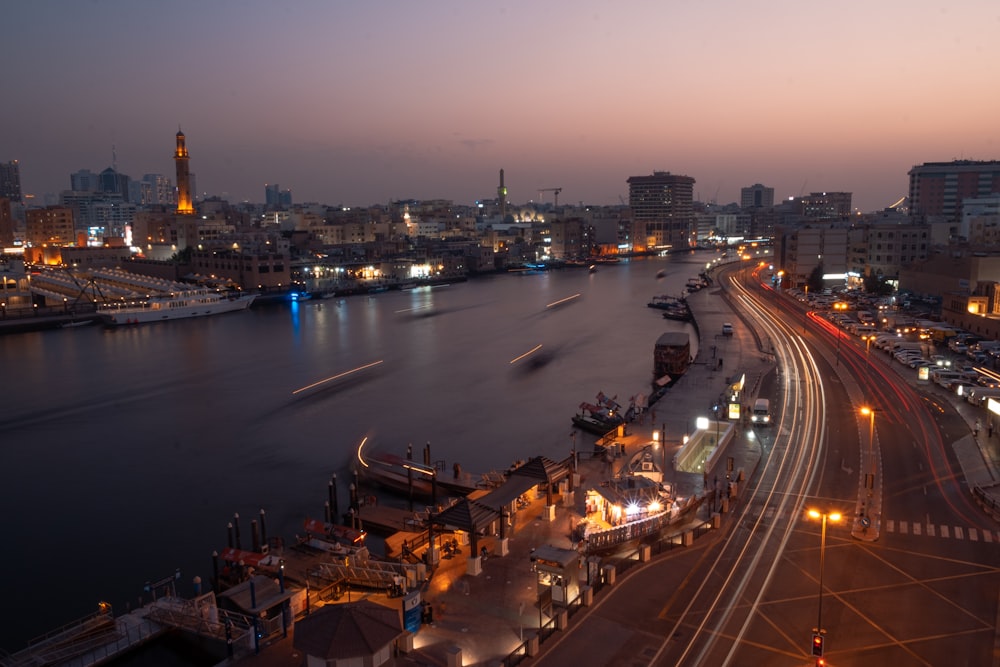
<point x="358" y="104"/>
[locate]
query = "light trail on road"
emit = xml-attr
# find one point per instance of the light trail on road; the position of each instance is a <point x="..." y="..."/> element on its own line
<point x="752" y="550"/>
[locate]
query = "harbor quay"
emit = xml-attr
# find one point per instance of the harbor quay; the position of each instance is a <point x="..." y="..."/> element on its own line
<point x="499" y="610"/>
<point x="492" y="595"/>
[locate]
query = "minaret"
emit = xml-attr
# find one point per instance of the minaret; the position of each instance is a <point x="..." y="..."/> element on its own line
<point x="184" y="206"/>
<point x="502" y="196"/>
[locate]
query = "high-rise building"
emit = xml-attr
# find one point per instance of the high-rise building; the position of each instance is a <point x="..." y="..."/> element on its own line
<point x="939" y="188"/>
<point x="153" y="190"/>
<point x="84" y="181"/>
<point x="756" y="196"/>
<point x="112" y="183"/>
<point x="10" y="181"/>
<point x="275" y="197"/>
<point x="663" y="203"/>
<point x="6" y="224"/>
<point x="181" y="157"/>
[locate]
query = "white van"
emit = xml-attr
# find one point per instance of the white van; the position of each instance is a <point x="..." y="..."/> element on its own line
<point x="761" y="412"/>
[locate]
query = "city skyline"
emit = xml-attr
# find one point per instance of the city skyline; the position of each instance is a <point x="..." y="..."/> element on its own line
<point x="360" y="105"/>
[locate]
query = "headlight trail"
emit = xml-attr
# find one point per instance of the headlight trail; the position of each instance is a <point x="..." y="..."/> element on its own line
<point x="531" y="351"/>
<point x="339" y="375"/>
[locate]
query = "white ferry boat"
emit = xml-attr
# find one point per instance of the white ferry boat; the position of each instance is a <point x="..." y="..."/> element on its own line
<point x="176" y="306"/>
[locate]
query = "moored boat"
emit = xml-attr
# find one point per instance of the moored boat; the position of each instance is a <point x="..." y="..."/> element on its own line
<point x="633" y="505"/>
<point x="175" y="306"/>
<point x="601" y="418"/>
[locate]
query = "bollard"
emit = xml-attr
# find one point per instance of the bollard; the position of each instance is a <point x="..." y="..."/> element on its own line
<point x="644" y="553"/>
<point x="609" y="574"/>
<point x="454" y="656"/>
<point x="586" y="596"/>
<point x="531" y="646"/>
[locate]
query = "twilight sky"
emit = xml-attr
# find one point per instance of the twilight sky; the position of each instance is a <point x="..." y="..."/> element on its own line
<point x="358" y="103"/>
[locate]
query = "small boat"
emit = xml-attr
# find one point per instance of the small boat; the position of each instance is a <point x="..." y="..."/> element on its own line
<point x="680" y="313"/>
<point x="406" y="476"/>
<point x="344" y="535"/>
<point x="599" y="419"/>
<point x="593" y="268"/>
<point x="297" y="296"/>
<point x="665" y="301"/>
<point x="175" y="306"/>
<point x="661" y="273"/>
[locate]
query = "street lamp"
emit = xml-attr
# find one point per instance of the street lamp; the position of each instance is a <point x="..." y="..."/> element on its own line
<point x="818" y="631"/>
<point x="870" y="463"/>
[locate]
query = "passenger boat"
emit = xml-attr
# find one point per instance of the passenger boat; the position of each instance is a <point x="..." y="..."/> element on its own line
<point x="175" y="306"/>
<point x="632" y="506"/>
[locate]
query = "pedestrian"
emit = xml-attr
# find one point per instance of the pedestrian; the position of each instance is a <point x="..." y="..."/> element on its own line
<point x="989" y="429"/>
<point x="978" y="424"/>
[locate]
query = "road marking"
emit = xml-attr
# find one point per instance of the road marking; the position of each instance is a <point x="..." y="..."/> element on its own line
<point x="987" y="536"/>
<point x="902" y="528"/>
<point x="916" y="528"/>
<point x="944" y="531"/>
<point x="930" y="530"/>
<point x="973" y="535"/>
<point x="890" y="525"/>
<point x="958" y="533"/>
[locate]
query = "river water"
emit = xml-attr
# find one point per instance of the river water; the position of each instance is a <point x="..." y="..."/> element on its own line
<point x="125" y="452"/>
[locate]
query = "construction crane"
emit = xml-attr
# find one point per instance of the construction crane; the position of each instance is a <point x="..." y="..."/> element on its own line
<point x="555" y="192"/>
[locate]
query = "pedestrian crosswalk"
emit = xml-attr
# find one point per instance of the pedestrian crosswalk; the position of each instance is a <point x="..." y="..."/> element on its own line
<point x="942" y="531"/>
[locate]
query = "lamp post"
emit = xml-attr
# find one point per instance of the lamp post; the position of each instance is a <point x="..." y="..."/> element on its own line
<point x="819" y="632"/>
<point x="869" y="463"/>
<point x="806" y="311"/>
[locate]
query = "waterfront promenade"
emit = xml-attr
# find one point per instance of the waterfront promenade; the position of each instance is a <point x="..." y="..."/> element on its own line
<point x="483" y="619"/>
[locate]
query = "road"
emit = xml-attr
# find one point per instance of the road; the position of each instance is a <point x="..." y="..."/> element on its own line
<point x="909" y="574"/>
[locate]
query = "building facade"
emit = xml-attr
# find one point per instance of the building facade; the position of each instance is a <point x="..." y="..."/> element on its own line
<point x="938" y="189"/>
<point x="800" y="249"/>
<point x="52" y="225"/>
<point x="664" y="204"/>
<point x="10" y="181"/>
<point x="756" y="196"/>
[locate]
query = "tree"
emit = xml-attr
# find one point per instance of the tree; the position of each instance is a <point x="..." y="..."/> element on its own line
<point x="815" y="279"/>
<point x="876" y="283"/>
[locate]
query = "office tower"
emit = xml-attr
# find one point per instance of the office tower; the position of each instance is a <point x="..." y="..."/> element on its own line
<point x="756" y="196"/>
<point x="6" y="224"/>
<point x="275" y="197"/>
<point x="10" y="181"/>
<point x="938" y="188"/>
<point x="110" y="182"/>
<point x="181" y="158"/>
<point x="84" y="181"/>
<point x="663" y="203"/>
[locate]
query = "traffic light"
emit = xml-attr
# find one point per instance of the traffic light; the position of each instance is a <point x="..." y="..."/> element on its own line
<point x="817" y="645"/>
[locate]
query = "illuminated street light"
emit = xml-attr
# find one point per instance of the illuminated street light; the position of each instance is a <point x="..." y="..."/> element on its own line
<point x="869" y="466"/>
<point x="818" y="631"/>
